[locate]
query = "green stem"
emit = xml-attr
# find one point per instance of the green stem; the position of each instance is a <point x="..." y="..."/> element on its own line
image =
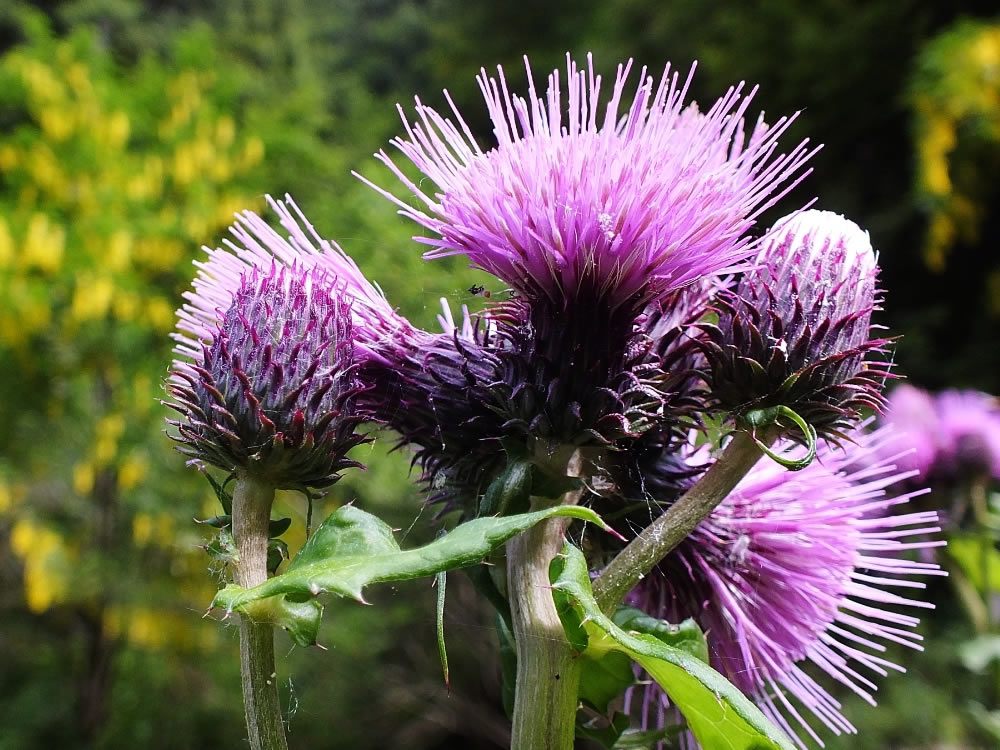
<point x="654" y="542"/>
<point x="252" y="500"/>
<point x="548" y="670"/>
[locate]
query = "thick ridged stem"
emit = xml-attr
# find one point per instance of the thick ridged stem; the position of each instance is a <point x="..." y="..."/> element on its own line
<point x="548" y="669"/>
<point x="655" y="541"/>
<point x="252" y="500"/>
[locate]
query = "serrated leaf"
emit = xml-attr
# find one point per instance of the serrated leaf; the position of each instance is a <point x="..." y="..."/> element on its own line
<point x="717" y="713"/>
<point x="353" y="549"/>
<point x="300" y="619"/>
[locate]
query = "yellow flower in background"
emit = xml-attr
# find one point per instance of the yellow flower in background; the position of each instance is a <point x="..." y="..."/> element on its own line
<point x="92" y="297"/>
<point x="44" y="244"/>
<point x="956" y="108"/>
<point x="83" y="478"/>
<point x="46" y="564"/>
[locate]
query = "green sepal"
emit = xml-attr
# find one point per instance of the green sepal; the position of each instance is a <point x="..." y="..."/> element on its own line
<point x="353" y="549"/>
<point x="717" y="713"/>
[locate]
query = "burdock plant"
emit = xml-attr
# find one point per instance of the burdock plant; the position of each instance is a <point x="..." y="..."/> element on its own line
<point x="645" y="313"/>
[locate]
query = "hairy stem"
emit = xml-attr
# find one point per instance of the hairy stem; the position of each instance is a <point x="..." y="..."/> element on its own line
<point x="252" y="500"/>
<point x="548" y="670"/>
<point x="654" y="542"/>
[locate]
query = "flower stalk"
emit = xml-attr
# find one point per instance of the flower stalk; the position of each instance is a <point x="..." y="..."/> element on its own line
<point x="548" y="670"/>
<point x="252" y="500"/>
<point x="644" y="552"/>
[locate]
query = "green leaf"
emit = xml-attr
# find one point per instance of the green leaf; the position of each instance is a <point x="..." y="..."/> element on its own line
<point x="979" y="559"/>
<point x="980" y="652"/>
<point x="300" y="618"/>
<point x="216" y="522"/>
<point x="717" y="713"/>
<point x="607" y="733"/>
<point x="508" y="665"/>
<point x="603" y="678"/>
<point x="225" y="499"/>
<point x="441" y="579"/>
<point x="277" y="553"/>
<point x="278" y="527"/>
<point x="686" y="636"/>
<point x="510" y="492"/>
<point x="352" y="549"/>
<point x="645" y="739"/>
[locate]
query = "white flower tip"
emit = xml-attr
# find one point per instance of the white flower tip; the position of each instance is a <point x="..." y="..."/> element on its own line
<point x="827" y="229"/>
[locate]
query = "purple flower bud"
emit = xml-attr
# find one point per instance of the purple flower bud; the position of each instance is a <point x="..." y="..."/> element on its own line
<point x="269" y="390"/>
<point x="796" y="331"/>
<point x="257" y="245"/>
<point x="796" y="575"/>
<point x="624" y="201"/>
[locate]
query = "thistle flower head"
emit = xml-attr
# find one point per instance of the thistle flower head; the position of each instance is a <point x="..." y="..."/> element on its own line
<point x="798" y="574"/>
<point x="621" y="201"/>
<point x="953" y="436"/>
<point x="796" y="332"/>
<point x="254" y="244"/>
<point x="265" y="376"/>
<point x="432" y="390"/>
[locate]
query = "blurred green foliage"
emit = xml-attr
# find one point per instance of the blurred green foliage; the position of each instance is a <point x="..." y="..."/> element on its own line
<point x="129" y="134"/>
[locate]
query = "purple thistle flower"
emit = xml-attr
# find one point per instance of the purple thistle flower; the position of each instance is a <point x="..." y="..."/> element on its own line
<point x="621" y="203"/>
<point x="953" y="437"/>
<point x="792" y="576"/>
<point x="270" y="393"/>
<point x="590" y="218"/>
<point x="796" y="332"/>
